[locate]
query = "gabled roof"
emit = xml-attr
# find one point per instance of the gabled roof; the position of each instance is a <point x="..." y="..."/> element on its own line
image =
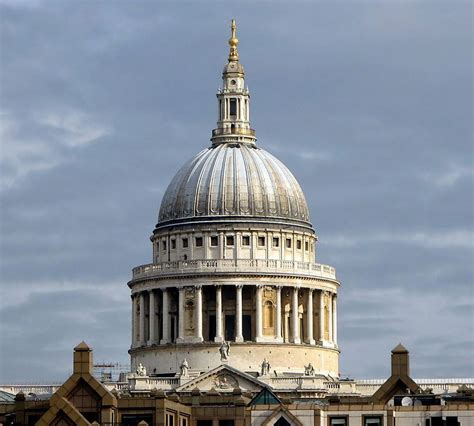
<point x="395" y="384"/>
<point x="220" y="371"/>
<point x="265" y="397"/>
<point x="6" y="397"/>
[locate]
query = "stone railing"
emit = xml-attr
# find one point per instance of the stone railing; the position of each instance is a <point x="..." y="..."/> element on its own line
<point x="255" y="266"/>
<point x="30" y="389"/>
<point x="139" y="383"/>
<point x="234" y="131"/>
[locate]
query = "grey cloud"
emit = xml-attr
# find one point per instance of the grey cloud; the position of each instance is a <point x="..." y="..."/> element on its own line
<point x="369" y="104"/>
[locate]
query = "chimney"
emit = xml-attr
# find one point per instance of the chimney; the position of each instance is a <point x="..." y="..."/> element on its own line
<point x="400" y="361"/>
<point x="82" y="359"/>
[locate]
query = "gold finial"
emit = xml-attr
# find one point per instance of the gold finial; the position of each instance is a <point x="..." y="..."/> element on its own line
<point x="233" y="42"/>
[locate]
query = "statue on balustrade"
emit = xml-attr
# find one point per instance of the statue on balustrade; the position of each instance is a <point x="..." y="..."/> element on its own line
<point x="184" y="367"/>
<point x="265" y="367"/>
<point x="224" y="351"/>
<point x="141" y="370"/>
<point x="309" y="370"/>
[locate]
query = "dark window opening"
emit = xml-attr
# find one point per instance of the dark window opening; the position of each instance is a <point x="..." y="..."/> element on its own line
<point x="245" y="240"/>
<point x="157" y="246"/>
<point x="338" y="421"/>
<point x="288" y="243"/>
<point x="204" y="423"/>
<point x="173" y="244"/>
<point x="261" y="241"/>
<point x="185" y="243"/>
<point x="198" y="241"/>
<point x="298" y="244"/>
<point x="247" y="327"/>
<point x="212" y="328"/>
<point x="282" y="422"/>
<point x="226" y="423"/>
<point x="164" y="245"/>
<point x="306" y="246"/>
<point x="214" y="241"/>
<point x="230" y="240"/>
<point x="276" y="242"/>
<point x="233" y="106"/>
<point x="229" y="331"/>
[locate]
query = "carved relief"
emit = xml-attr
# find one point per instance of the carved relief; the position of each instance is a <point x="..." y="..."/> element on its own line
<point x="225" y="381"/>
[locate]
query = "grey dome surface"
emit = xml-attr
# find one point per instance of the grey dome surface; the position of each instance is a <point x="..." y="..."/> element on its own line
<point x="234" y="179"/>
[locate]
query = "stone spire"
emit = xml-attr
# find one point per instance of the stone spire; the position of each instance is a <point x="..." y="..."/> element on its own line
<point x="233" y="123"/>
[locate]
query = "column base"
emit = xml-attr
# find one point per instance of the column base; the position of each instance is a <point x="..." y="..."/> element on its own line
<point x="218" y="339"/>
<point x="151" y="342"/>
<point x="239" y="339"/>
<point x="179" y="340"/>
<point x="311" y="342"/>
<point x="164" y="342"/>
<point x="296" y="340"/>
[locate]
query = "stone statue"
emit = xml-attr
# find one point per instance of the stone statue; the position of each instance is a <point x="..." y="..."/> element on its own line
<point x="224" y="351"/>
<point x="184" y="367"/>
<point x="141" y="370"/>
<point x="309" y="370"/>
<point x="265" y="367"/>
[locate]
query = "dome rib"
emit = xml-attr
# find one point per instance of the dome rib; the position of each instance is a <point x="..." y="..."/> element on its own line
<point x="234" y="180"/>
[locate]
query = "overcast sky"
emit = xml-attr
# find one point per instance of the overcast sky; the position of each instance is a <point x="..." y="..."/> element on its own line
<point x="368" y="103"/>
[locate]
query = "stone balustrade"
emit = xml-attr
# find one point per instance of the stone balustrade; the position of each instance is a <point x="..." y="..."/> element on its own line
<point x="241" y="266"/>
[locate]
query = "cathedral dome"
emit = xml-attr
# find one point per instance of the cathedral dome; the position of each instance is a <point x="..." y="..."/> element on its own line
<point x="234" y="179"/>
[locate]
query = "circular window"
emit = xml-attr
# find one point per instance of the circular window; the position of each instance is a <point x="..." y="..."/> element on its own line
<point x="232" y="82"/>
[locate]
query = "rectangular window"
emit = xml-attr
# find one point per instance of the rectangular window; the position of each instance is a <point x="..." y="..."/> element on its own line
<point x="233" y="106"/>
<point x="372" y="420"/>
<point x="306" y="246"/>
<point x="184" y="421"/>
<point x="229" y="240"/>
<point x="226" y="423"/>
<point x="337" y="421"/>
<point x="169" y="419"/>
<point x="298" y="244"/>
<point x="198" y="241"/>
<point x="261" y="241"/>
<point x="173" y="244"/>
<point x="288" y="243"/>
<point x="276" y="242"/>
<point x="157" y="246"/>
<point x="245" y="240"/>
<point x="214" y="241"/>
<point x="185" y="242"/>
<point x="164" y="245"/>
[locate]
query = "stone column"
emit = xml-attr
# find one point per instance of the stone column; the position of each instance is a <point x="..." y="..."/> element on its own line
<point x="321" y="316"/>
<point x="142" y="319"/>
<point x="218" y="337"/>
<point x="238" y="314"/>
<point x="295" y="320"/>
<point x="180" y="337"/>
<point x="278" y="336"/>
<point x="334" y="319"/>
<point x="330" y="317"/>
<point x="258" y="314"/>
<point x="166" y="318"/>
<point x="198" y="314"/>
<point x="134" y="320"/>
<point x="309" y="318"/>
<point x="151" y="319"/>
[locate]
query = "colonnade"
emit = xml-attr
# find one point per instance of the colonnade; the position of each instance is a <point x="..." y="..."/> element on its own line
<point x="154" y="324"/>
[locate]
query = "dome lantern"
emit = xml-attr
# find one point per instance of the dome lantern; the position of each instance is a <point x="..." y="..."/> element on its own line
<point x="233" y="124"/>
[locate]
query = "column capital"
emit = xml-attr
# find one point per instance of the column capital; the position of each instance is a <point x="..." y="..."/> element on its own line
<point x="198" y="287"/>
<point x="239" y="286"/>
<point x="151" y="290"/>
<point x="310" y="290"/>
<point x="218" y="286"/>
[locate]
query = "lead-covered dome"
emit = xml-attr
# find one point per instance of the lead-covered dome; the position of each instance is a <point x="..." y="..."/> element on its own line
<point x="234" y="179"/>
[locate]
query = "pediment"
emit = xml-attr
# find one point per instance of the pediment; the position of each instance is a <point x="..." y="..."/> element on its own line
<point x="222" y="379"/>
